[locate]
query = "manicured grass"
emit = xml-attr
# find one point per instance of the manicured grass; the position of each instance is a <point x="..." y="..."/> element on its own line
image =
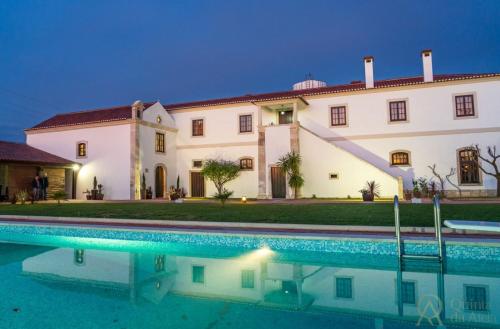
<point x="336" y="214"/>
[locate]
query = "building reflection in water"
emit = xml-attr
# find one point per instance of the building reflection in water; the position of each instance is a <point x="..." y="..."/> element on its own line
<point x="415" y="292"/>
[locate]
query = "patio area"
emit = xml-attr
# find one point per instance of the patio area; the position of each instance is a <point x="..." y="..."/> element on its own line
<point x="20" y="163"/>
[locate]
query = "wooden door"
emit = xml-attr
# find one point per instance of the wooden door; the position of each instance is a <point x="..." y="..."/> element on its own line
<point x="278" y="183"/>
<point x="159" y="182"/>
<point x="197" y="185"/>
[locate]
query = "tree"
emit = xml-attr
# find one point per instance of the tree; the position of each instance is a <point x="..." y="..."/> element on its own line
<point x="221" y="172"/>
<point x="452" y="173"/>
<point x="290" y="165"/>
<point x="442" y="181"/>
<point x="492" y="161"/>
<point x="439" y="177"/>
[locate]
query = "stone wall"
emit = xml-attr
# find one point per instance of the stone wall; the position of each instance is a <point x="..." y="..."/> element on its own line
<point x="3" y="177"/>
<point x="472" y="193"/>
<point x="21" y="176"/>
<point x="56" y="180"/>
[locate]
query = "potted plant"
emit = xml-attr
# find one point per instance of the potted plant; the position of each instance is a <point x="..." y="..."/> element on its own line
<point x="149" y="193"/>
<point x="407" y="194"/>
<point x="88" y="194"/>
<point x="370" y="191"/>
<point x="432" y="189"/>
<point x="176" y="193"/>
<point x="416" y="190"/>
<point x="423" y="185"/>
<point x="417" y="194"/>
<point x="143" y="187"/>
<point x="100" y="195"/>
<point x="94" y="190"/>
<point x="172" y="192"/>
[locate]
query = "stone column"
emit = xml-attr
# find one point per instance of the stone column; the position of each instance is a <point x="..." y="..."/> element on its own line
<point x="135" y="174"/>
<point x="294" y="135"/>
<point x="294" y="130"/>
<point x="400" y="188"/>
<point x="135" y="165"/>
<point x="261" y="157"/>
<point x="295" y="112"/>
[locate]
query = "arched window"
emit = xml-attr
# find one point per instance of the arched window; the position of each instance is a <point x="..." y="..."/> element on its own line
<point x="400" y="158"/>
<point x="246" y="164"/>
<point x="468" y="166"/>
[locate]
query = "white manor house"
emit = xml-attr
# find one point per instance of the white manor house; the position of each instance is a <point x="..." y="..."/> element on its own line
<point x="389" y="131"/>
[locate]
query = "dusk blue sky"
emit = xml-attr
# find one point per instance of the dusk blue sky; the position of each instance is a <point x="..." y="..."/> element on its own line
<point x="63" y="56"/>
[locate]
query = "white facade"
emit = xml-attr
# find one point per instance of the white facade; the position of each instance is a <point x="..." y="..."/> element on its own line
<point x="373" y="292"/>
<point x="337" y="160"/>
<point x="107" y="147"/>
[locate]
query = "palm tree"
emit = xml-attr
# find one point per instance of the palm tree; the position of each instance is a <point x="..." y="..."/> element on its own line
<point x="290" y="165"/>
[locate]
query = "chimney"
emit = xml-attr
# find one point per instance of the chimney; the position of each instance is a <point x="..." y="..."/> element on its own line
<point x="427" y="64"/>
<point x="137" y="108"/>
<point x="369" y="72"/>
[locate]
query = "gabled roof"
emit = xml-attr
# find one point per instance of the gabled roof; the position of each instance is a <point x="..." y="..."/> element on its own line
<point x="91" y="116"/>
<point x="17" y="152"/>
<point x="354" y="86"/>
<point x="124" y="112"/>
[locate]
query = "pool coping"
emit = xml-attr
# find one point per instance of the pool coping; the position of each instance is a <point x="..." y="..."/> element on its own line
<point x="248" y="228"/>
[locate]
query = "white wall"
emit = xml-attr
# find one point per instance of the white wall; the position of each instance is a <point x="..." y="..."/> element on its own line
<point x="425" y="151"/>
<point x="431" y="112"/>
<point x="99" y="265"/>
<point x="221" y="125"/>
<point x="108" y="156"/>
<point x="245" y="185"/>
<point x="320" y="158"/>
<point x="149" y="159"/>
<point x="222" y="278"/>
<point x="455" y="290"/>
<point x="221" y="139"/>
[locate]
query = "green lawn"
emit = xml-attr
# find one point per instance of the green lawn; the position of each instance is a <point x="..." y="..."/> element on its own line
<point x="336" y="214"/>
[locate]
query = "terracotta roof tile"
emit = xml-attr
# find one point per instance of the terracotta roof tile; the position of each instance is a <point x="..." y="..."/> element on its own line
<point x="17" y="152"/>
<point x="124" y="112"/>
<point x="86" y="117"/>
<point x="326" y="90"/>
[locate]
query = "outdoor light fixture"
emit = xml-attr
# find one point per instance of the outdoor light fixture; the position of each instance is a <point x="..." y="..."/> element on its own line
<point x="264" y="251"/>
<point x="76" y="167"/>
<point x="244" y="199"/>
<point x="282" y="112"/>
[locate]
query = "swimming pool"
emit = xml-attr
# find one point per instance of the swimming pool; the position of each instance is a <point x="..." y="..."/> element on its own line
<point x="81" y="277"/>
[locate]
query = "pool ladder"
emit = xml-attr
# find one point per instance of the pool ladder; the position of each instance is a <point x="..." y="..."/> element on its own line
<point x="437" y="229"/>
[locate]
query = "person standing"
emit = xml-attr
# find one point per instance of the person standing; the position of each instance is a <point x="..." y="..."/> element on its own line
<point x="45" y="185"/>
<point x="35" y="185"/>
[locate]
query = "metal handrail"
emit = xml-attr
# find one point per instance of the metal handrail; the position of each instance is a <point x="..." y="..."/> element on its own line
<point x="437" y="229"/>
<point x="397" y="224"/>
<point x="437" y="222"/>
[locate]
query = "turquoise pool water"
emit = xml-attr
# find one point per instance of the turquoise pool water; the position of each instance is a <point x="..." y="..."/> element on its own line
<point x="64" y="277"/>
